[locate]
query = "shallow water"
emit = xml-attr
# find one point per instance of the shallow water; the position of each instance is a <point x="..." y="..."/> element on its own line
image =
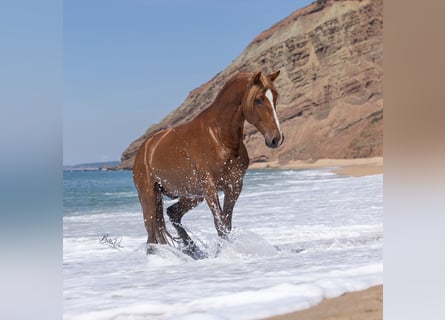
<point x="299" y="236"/>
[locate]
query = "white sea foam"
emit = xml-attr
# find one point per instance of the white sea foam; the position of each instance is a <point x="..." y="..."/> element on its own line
<point x="299" y="237"/>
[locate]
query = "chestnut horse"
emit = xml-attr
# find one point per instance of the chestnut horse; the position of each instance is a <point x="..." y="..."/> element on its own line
<point x="194" y="161"/>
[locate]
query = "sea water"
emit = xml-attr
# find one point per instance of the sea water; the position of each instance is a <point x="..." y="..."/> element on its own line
<point x="298" y="237"/>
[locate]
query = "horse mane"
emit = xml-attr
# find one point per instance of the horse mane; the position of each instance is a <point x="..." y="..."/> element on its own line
<point x="237" y="77"/>
<point x="237" y="87"/>
<point x="222" y="97"/>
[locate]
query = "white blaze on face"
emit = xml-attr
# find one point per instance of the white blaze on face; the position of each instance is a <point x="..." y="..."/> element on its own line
<point x="269" y="96"/>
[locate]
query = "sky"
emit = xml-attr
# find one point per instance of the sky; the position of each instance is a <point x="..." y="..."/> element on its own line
<point x="129" y="63"/>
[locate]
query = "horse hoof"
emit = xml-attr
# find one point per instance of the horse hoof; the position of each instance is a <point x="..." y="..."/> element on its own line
<point x="151" y="250"/>
<point x="195" y="252"/>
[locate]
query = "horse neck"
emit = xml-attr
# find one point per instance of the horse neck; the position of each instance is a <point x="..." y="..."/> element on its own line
<point x="226" y="116"/>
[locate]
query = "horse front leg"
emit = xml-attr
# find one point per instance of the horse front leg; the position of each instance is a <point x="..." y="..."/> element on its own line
<point x="231" y="195"/>
<point x="211" y="197"/>
<point x="232" y="190"/>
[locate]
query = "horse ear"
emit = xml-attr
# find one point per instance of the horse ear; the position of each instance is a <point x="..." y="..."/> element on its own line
<point x="274" y="75"/>
<point x="257" y="78"/>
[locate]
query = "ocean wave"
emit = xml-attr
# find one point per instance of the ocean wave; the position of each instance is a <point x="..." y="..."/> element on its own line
<point x="296" y="239"/>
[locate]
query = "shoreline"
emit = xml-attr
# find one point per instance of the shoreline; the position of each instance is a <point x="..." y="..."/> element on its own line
<point x="364" y="305"/>
<point x="348" y="167"/>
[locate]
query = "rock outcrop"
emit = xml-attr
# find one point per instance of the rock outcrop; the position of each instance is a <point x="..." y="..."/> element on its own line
<point x="330" y="105"/>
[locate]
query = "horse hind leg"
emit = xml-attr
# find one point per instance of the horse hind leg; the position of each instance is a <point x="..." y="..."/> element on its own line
<point x="176" y="211"/>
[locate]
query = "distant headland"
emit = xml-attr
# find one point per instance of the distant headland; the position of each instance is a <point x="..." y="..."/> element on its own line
<point x="92" y="166"/>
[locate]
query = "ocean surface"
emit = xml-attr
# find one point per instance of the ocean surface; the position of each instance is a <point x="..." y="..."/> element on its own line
<point x="298" y="237"/>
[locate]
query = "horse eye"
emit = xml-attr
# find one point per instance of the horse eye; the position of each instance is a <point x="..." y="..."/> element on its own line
<point x="258" y="101"/>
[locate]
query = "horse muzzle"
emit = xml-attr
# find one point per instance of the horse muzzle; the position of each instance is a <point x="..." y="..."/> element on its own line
<point x="275" y="142"/>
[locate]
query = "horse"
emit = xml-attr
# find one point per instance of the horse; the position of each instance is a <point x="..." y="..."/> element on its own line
<point x="192" y="162"/>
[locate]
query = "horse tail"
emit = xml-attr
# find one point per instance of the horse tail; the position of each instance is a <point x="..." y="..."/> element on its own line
<point x="161" y="234"/>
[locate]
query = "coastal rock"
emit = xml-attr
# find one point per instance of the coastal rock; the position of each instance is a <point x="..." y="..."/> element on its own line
<point x="330" y="55"/>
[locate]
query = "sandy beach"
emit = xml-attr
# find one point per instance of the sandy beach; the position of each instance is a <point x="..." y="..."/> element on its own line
<point x="350" y="167"/>
<point x="363" y="305"/>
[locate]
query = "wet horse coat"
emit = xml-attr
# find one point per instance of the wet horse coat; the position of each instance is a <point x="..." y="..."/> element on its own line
<point x="195" y="160"/>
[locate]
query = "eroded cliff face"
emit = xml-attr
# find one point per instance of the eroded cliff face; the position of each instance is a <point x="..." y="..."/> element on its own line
<point x="330" y="105"/>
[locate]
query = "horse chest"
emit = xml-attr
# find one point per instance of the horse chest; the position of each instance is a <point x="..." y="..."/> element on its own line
<point x="230" y="174"/>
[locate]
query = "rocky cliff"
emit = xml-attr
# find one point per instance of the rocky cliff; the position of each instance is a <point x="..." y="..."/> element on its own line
<point x="330" y="105"/>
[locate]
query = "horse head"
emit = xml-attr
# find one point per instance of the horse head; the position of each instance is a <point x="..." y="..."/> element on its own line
<point x="259" y="108"/>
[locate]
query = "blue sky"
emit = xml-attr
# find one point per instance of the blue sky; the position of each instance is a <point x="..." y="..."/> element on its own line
<point x="128" y="63"/>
